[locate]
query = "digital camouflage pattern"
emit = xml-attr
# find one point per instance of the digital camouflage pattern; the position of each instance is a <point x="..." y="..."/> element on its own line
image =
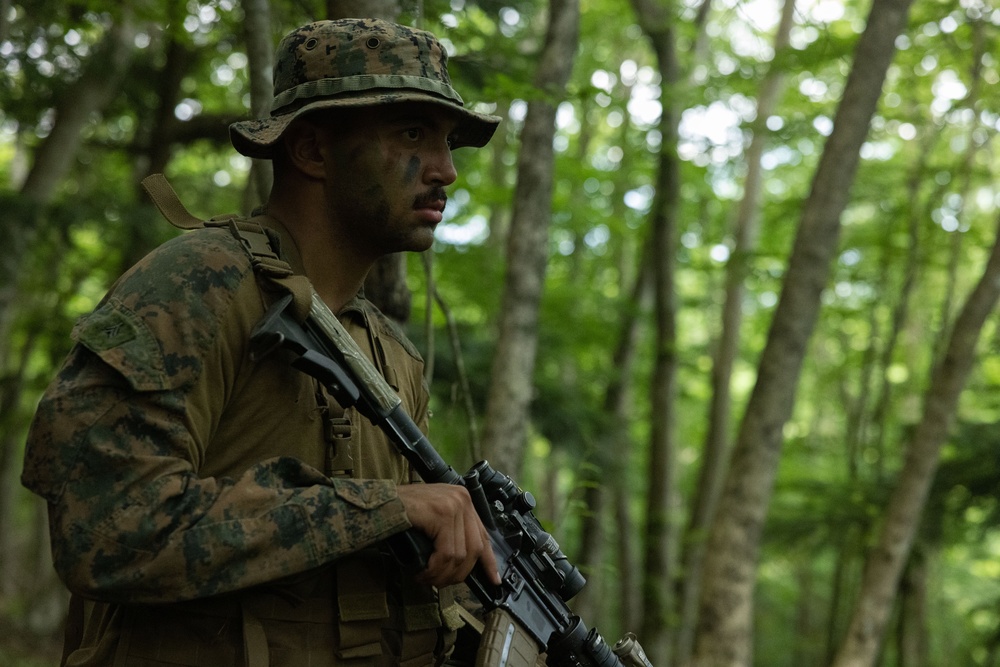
<point x="176" y="468"/>
<point x="358" y="62"/>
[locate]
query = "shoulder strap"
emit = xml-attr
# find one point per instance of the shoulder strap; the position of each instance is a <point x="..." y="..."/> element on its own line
<point x="269" y="266"/>
<point x="253" y="238"/>
<point x="169" y="205"/>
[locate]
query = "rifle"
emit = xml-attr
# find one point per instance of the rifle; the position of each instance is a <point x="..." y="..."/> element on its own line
<point x="527" y="614"/>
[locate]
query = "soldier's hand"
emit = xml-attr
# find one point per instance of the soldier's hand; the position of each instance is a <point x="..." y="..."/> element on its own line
<point x="444" y="512"/>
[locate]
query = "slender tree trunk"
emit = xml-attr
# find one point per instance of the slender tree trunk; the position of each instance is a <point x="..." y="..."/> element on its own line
<point x="912" y="633"/>
<point x="963" y="179"/>
<point x="627" y="558"/>
<point x="11" y="416"/>
<point x="885" y="564"/>
<point x="499" y="216"/>
<point x="804" y="651"/>
<point x="657" y="19"/>
<point x="715" y="455"/>
<point x="465" y="391"/>
<point x="849" y="543"/>
<point x="386" y="287"/>
<point x="9" y="466"/>
<point x="509" y="398"/>
<point x="156" y="137"/>
<point x="260" y="57"/>
<point x="613" y="451"/>
<point x="95" y="88"/>
<point x="879" y="419"/>
<point x="725" y="633"/>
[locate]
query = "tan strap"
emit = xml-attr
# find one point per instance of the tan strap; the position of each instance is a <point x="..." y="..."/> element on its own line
<point x="361" y="587"/>
<point x="168" y="203"/>
<point x="362" y="604"/>
<point x="468" y="618"/>
<point x="421" y="606"/>
<point x="255" y="650"/>
<point x="267" y="264"/>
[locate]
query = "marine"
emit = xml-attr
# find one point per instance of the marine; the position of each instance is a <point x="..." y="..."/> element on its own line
<point x="208" y="508"/>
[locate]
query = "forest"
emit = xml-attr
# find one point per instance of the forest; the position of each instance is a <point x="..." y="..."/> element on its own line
<point x="720" y="292"/>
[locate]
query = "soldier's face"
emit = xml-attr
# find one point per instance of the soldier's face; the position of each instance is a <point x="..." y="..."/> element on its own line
<point x="387" y="170"/>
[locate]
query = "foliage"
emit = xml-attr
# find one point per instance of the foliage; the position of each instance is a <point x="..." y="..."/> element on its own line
<point x="923" y="210"/>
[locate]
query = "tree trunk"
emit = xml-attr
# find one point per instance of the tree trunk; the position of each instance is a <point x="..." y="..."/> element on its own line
<point x="879" y="419"/>
<point x="804" y="651"/>
<point x="725" y="633"/>
<point x="657" y="23"/>
<point x="885" y="564"/>
<point x="95" y="88"/>
<point x="386" y="287"/>
<point x="9" y="467"/>
<point x="612" y="455"/>
<point x="509" y="398"/>
<point x="627" y="559"/>
<point x="499" y="216"/>
<point x="260" y="57"/>
<point x="911" y="635"/>
<point x="963" y="178"/>
<point x="54" y="157"/>
<point x="715" y="455"/>
<point x="157" y="138"/>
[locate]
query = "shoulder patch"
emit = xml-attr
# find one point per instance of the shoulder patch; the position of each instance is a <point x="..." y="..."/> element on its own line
<point x="123" y="342"/>
<point x="105" y="330"/>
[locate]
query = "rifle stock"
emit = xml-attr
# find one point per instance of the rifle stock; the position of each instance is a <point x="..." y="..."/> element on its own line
<point x="527" y="613"/>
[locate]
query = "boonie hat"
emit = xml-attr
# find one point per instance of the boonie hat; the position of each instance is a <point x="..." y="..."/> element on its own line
<point x="357" y="63"/>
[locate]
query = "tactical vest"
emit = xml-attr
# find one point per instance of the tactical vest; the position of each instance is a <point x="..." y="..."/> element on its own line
<point x="349" y="613"/>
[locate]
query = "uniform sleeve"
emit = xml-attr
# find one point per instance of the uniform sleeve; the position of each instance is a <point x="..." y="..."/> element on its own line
<point x="112" y="450"/>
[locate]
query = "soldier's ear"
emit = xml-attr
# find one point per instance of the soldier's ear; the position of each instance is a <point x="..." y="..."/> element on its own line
<point x="302" y="146"/>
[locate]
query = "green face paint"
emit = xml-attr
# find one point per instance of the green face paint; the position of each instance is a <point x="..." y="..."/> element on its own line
<point x="412" y="169"/>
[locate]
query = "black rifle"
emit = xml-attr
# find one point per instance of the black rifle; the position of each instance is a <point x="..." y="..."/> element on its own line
<point x="537" y="578"/>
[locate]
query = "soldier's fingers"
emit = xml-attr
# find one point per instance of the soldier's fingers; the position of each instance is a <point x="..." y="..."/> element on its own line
<point x="488" y="559"/>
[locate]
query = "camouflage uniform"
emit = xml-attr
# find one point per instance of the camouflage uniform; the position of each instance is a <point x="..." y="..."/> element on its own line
<point x="177" y="469"/>
<point x="207" y="509"/>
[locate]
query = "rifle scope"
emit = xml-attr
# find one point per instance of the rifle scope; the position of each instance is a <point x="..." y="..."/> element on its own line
<point x="510" y="502"/>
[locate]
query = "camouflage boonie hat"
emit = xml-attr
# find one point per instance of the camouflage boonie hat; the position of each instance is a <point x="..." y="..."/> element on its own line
<point x="353" y="63"/>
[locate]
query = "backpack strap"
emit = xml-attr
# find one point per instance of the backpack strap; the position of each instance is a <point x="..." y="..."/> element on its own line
<point x="253" y="237"/>
<point x="169" y="205"/>
<point x="261" y="247"/>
